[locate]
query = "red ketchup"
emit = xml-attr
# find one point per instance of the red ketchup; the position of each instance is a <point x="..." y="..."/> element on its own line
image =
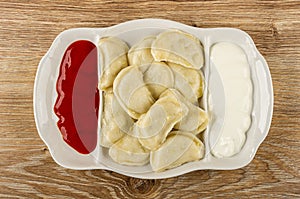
<point x="77" y="103"/>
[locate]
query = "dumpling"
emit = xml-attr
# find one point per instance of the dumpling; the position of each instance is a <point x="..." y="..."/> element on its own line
<point x="115" y="121"/>
<point x="140" y="53"/>
<point x="196" y="119"/>
<point x="189" y="82"/>
<point x="153" y="127"/>
<point x="158" y="77"/>
<point x="178" y="47"/>
<point x="113" y="58"/>
<point x="121" y="117"/>
<point x="131" y="92"/>
<point x="128" y="151"/>
<point x="179" y="148"/>
<point x="110" y="131"/>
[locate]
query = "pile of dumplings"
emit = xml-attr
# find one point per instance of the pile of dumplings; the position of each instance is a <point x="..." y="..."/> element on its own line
<point x="151" y="96"/>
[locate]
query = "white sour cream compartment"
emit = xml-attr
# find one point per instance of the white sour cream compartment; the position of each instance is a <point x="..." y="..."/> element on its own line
<point x="230" y="66"/>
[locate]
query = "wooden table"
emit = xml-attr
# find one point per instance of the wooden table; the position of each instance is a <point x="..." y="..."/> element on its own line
<point x="27" y="30"/>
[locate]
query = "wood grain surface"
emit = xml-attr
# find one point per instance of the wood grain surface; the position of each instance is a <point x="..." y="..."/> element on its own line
<point x="27" y="29"/>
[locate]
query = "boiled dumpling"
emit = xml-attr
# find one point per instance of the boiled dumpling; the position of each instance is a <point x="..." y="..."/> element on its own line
<point x="178" y="47"/>
<point x="179" y="148"/>
<point x="196" y="119"/>
<point x="120" y="117"/>
<point x="115" y="121"/>
<point x="140" y="53"/>
<point x="110" y="131"/>
<point x="189" y="82"/>
<point x="131" y="92"/>
<point x="129" y="151"/>
<point x="153" y="127"/>
<point x="113" y="58"/>
<point x="158" y="77"/>
<point x="150" y="100"/>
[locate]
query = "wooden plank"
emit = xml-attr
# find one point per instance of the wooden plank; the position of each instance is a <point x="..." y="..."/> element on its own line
<point x="27" y="30"/>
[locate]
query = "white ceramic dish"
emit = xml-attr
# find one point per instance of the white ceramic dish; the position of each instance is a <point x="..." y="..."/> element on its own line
<point x="131" y="32"/>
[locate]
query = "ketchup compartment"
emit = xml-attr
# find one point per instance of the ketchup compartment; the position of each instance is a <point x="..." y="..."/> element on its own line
<point x="77" y="103"/>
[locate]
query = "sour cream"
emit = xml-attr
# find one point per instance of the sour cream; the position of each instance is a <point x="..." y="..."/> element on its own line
<point x="231" y="64"/>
